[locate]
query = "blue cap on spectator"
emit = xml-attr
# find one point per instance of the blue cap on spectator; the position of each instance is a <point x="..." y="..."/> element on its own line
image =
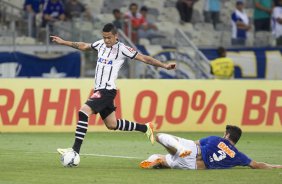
<point x="238" y="2"/>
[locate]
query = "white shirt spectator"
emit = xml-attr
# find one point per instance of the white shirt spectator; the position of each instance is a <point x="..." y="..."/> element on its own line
<point x="276" y="27"/>
<point x="239" y="16"/>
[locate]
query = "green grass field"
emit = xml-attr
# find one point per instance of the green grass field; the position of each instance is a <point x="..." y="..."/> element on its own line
<point x="30" y="158"/>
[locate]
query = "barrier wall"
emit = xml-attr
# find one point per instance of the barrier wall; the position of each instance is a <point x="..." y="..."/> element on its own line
<point x="51" y="105"/>
<point x="262" y="63"/>
<point x="250" y="63"/>
<point x="17" y="64"/>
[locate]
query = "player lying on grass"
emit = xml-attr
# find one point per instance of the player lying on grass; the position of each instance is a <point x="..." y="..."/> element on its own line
<point x="212" y="152"/>
<point x="111" y="56"/>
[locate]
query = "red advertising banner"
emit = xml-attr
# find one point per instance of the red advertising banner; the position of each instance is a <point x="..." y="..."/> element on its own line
<point x="51" y="105"/>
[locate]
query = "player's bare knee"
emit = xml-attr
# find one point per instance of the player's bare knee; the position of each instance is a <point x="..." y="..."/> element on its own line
<point x="110" y="126"/>
<point x="86" y="110"/>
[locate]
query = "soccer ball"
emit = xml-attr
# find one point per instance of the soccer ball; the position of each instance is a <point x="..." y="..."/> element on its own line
<point x="70" y="159"/>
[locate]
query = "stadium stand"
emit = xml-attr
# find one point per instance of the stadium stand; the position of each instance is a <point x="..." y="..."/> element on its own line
<point x="24" y="40"/>
<point x="165" y="15"/>
<point x="162" y="12"/>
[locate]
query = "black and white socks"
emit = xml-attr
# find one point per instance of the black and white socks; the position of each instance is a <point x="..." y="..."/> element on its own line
<point x="125" y="125"/>
<point x="82" y="125"/>
<point x="81" y="129"/>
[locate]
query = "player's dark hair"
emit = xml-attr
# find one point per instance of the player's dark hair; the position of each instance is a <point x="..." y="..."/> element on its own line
<point x="116" y="11"/>
<point x="133" y="4"/>
<point x="110" y="28"/>
<point x="221" y="51"/>
<point x="234" y="133"/>
<point x="239" y="2"/>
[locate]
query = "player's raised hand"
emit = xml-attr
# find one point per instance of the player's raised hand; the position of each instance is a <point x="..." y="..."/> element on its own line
<point x="57" y="39"/>
<point x="170" y="66"/>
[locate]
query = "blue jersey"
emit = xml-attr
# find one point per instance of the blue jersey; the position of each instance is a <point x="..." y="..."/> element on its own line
<point x="219" y="153"/>
<point x="54" y="9"/>
<point x="35" y="4"/>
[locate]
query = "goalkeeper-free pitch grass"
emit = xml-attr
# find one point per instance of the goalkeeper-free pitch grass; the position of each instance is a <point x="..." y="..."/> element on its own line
<point x="30" y="158"/>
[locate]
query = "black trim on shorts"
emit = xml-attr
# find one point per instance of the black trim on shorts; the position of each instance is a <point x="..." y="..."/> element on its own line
<point x="106" y="112"/>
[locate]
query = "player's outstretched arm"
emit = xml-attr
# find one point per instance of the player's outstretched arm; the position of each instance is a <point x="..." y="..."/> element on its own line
<point x="152" y="61"/>
<point x="77" y="45"/>
<point x="262" y="165"/>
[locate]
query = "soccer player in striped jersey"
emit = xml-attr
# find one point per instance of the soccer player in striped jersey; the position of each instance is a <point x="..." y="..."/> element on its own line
<point x="111" y="56"/>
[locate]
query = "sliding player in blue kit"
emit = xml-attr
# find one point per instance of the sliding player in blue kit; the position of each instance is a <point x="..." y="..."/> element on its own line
<point x="212" y="152"/>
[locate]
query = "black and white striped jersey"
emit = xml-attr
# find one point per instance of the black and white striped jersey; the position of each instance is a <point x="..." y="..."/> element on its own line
<point x="109" y="63"/>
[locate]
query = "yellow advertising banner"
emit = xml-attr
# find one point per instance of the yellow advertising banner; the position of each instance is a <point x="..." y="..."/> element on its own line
<point x="51" y="105"/>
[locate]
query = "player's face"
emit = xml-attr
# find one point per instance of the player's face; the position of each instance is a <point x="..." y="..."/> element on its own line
<point x="117" y="15"/>
<point x="109" y="38"/>
<point x="133" y="9"/>
<point x="240" y="6"/>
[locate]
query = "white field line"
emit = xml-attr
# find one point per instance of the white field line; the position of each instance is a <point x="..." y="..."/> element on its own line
<point x="92" y="154"/>
<point x="111" y="156"/>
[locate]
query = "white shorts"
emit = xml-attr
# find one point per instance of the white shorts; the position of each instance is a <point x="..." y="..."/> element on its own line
<point x="188" y="162"/>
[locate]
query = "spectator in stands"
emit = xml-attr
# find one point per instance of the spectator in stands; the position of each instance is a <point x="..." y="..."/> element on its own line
<point x="32" y="8"/>
<point x="185" y="9"/>
<point x="148" y="29"/>
<point x="240" y="25"/>
<point x="134" y="20"/>
<point x="277" y="23"/>
<point x="53" y="11"/>
<point x="222" y="67"/>
<point x="118" y="22"/>
<point x="212" y="11"/>
<point x="75" y="9"/>
<point x="262" y="14"/>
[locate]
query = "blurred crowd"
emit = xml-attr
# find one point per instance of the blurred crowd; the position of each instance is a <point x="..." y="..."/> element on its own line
<point x="50" y="11"/>
<point x="135" y="23"/>
<point x="267" y="16"/>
